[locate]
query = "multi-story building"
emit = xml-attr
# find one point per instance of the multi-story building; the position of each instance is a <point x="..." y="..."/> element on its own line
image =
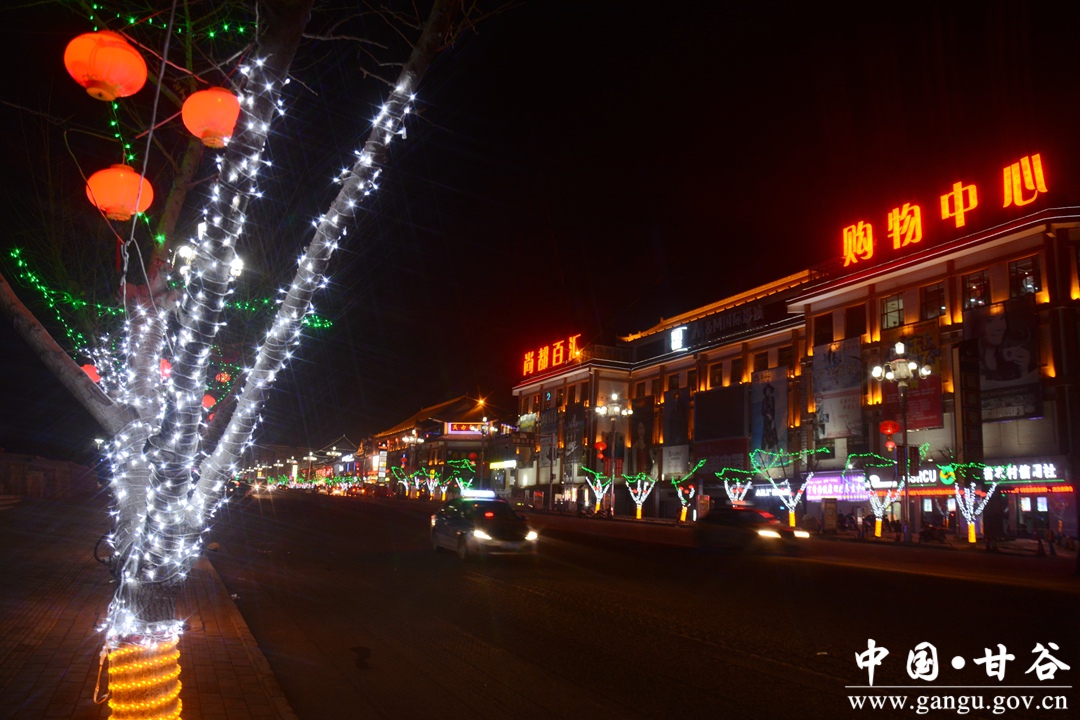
<point x="978" y="280"/>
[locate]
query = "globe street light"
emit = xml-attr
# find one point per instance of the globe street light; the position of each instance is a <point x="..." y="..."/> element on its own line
<point x="901" y="370"/>
<point x="613" y="409"/>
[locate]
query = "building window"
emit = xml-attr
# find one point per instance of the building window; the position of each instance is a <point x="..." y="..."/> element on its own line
<point x="639" y="390"/>
<point x="691" y="380"/>
<point x="1024" y="277"/>
<point x="932" y="301"/>
<point x="892" y="312"/>
<point x="559" y="398"/>
<point x="855" y="321"/>
<point x="673" y="382"/>
<point x="761" y="361"/>
<point x="571" y="395"/>
<point x="976" y="289"/>
<point x="536" y="403"/>
<point x="656" y="387"/>
<point x="736" y="370"/>
<point x="585" y="397"/>
<point x="716" y="375"/>
<point x="823" y="333"/>
<point x="786" y="357"/>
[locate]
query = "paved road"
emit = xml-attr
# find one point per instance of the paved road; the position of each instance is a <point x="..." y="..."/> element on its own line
<point x="359" y="618"/>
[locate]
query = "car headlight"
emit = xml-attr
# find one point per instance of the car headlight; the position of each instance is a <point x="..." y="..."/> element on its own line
<point x="802" y="534"/>
<point x="480" y="535"/>
<point x="769" y="534"/>
<point x="531" y="536"/>
<point x="432" y="521"/>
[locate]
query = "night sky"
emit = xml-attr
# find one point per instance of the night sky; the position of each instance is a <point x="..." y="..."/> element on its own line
<point x="592" y="167"/>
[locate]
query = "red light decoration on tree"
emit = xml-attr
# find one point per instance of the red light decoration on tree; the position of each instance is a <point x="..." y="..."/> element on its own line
<point x="92" y="372"/>
<point x="166" y="369"/>
<point x="211" y="115"/>
<point x="106" y="65"/>
<point x="223" y="377"/>
<point x="119" y="192"/>
<point x="209" y="401"/>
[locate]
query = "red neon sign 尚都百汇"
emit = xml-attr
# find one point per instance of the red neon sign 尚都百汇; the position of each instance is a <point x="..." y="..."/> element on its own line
<point x="553" y="355"/>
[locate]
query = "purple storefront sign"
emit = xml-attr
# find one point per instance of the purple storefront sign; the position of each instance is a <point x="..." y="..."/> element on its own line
<point x="836" y="486"/>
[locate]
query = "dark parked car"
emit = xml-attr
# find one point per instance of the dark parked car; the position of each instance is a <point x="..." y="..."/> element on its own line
<point x="481" y="524"/>
<point x="746" y="528"/>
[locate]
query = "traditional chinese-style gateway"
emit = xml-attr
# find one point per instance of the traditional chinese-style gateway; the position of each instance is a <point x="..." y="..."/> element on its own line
<point x="978" y="280"/>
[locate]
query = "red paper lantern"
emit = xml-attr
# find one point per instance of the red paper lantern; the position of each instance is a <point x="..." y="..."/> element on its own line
<point x="889" y="427"/>
<point x="890" y="445"/>
<point x="106" y="65"/>
<point x="601" y="445"/>
<point x="209" y="401"/>
<point x="92" y="372"/>
<point x="119" y="192"/>
<point x="211" y="115"/>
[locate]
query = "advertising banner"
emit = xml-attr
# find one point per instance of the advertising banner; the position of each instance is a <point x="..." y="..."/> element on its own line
<point x="720" y="413"/>
<point x="838" y="376"/>
<point x="573" y="436"/>
<point x="676" y="417"/>
<point x="720" y="454"/>
<point x="676" y="461"/>
<point x="769" y="410"/>
<point x="1008" y="358"/>
<point x="642" y="451"/>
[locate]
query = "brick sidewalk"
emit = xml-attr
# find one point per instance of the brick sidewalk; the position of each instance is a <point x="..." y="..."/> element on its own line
<point x="53" y="595"/>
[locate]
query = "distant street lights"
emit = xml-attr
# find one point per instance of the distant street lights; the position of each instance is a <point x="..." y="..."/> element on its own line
<point x="901" y="370"/>
<point x="310" y="457"/>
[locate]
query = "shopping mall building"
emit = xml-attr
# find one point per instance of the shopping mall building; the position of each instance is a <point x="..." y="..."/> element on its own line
<point x="978" y="279"/>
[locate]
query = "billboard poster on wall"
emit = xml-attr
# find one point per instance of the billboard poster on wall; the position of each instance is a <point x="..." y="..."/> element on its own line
<point x="720" y="454"/>
<point x="1008" y="358"/>
<point x="573" y="436"/>
<point x="642" y="451"/>
<point x="676" y="417"/>
<point x="922" y="343"/>
<point x="720" y="413"/>
<point x="769" y="410"/>
<point x="838" y="376"/>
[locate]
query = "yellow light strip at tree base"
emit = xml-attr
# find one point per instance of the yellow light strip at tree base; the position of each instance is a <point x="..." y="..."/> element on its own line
<point x="144" y="681"/>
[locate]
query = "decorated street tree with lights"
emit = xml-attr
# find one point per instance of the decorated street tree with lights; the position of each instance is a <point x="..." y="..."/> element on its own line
<point x="599" y="483"/>
<point x="640" y="486"/>
<point x="737" y="483"/>
<point x="866" y="467"/>
<point x="971" y="500"/>
<point x="773" y="466"/>
<point x="170" y="456"/>
<point x="685" y="490"/>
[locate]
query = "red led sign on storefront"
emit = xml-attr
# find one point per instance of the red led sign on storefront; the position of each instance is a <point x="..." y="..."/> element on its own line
<point x="550" y="356"/>
<point x="1022" y="183"/>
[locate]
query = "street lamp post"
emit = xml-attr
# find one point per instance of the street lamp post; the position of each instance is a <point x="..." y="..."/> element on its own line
<point x="485" y="430"/>
<point x="310" y="457"/>
<point x="613" y="409"/>
<point x="333" y="454"/>
<point x="901" y="370"/>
